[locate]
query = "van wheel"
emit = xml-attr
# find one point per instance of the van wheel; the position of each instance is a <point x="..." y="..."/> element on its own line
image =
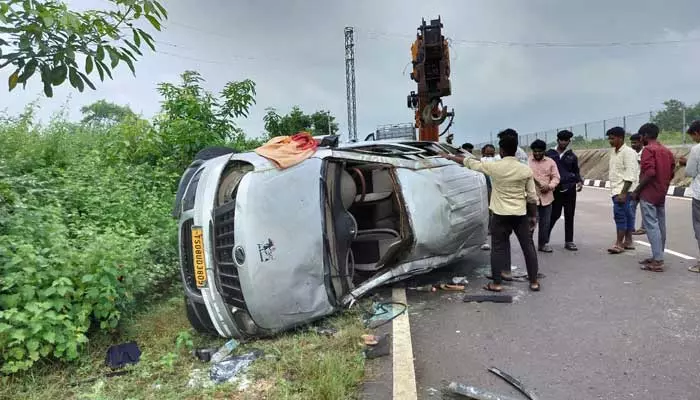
<point x="199" y="318"/>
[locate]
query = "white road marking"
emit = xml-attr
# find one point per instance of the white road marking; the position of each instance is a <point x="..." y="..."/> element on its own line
<point x="675" y="253"/>
<point x="668" y="197"/>
<point x="403" y="368"/>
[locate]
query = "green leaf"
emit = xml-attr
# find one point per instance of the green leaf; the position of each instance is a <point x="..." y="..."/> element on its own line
<point x="86" y="80"/>
<point x="28" y="70"/>
<point x="100" y="53"/>
<point x="134" y="48"/>
<point x="148" y="39"/>
<point x="137" y="38"/>
<point x="48" y="90"/>
<point x="100" y="71"/>
<point x="161" y="8"/>
<point x="88" y="65"/>
<point x="32" y="345"/>
<point x="75" y="80"/>
<point x="58" y="75"/>
<point x="105" y="68"/>
<point x="114" y="56"/>
<point x="130" y="64"/>
<point x="50" y="337"/>
<point x="12" y="80"/>
<point x="153" y="21"/>
<point x="18" y="334"/>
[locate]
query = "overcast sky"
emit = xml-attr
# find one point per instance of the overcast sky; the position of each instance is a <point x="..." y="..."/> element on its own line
<point x="294" y="51"/>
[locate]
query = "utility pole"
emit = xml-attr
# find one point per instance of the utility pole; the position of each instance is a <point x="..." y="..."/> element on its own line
<point x="350" y="82"/>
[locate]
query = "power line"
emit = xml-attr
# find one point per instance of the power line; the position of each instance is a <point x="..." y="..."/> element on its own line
<point x="374" y="34"/>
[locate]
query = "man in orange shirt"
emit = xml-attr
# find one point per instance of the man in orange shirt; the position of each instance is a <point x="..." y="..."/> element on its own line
<point x="546" y="175"/>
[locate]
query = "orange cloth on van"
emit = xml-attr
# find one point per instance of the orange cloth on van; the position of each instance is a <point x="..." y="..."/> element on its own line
<point x="287" y="151"/>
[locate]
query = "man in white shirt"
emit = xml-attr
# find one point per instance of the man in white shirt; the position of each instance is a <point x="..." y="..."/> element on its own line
<point x="692" y="169"/>
<point x="624" y="176"/>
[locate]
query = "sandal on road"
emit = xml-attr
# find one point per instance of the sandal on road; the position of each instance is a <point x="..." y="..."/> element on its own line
<point x="616" y="250"/>
<point x="695" y="268"/>
<point x="647" y="261"/>
<point x="571" y="246"/>
<point x="493" y="287"/>
<point x="653" y="267"/>
<point x="629" y="246"/>
<point x="535" y="286"/>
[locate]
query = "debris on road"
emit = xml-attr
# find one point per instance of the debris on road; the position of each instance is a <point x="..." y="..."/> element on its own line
<point x="501" y="298"/>
<point x="324" y="330"/>
<point x="122" y="354"/>
<point x="452" y="288"/>
<point x="224" y="351"/>
<point x="204" y="355"/>
<point x="380" y="348"/>
<point x="232" y="369"/>
<point x="383" y="313"/>
<point x="460" y="280"/>
<point x="475" y="393"/>
<point x="424" y="288"/>
<point x="516" y="383"/>
<point x="370" y="340"/>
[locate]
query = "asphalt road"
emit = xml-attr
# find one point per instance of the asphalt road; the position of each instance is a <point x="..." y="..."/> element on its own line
<point x="601" y="328"/>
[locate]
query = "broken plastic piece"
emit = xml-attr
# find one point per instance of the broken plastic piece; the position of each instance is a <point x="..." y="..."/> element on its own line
<point x="460" y="280"/>
<point x="501" y="298"/>
<point x="475" y="393"/>
<point x="223" y="351"/>
<point x="232" y="367"/>
<point x="424" y="288"/>
<point x="516" y="383"/>
<point x="384" y="313"/>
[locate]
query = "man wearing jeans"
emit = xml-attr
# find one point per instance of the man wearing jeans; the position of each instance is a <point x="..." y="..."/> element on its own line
<point x="623" y="175"/>
<point x="655" y="178"/>
<point x="546" y="176"/>
<point x="692" y="169"/>
<point x="514" y="206"/>
<point x="637" y="145"/>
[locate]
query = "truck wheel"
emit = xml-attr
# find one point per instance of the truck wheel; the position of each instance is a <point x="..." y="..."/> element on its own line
<point x="199" y="318"/>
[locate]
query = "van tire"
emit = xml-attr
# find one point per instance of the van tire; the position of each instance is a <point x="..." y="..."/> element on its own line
<point x="199" y="318"/>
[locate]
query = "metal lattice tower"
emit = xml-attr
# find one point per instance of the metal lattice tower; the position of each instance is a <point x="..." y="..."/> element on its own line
<point x="350" y="82"/>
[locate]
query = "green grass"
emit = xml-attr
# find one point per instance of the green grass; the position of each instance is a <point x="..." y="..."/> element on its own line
<point x="300" y="365"/>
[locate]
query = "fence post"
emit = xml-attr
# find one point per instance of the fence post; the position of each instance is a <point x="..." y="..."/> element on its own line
<point x="585" y="130"/>
<point x="604" y="128"/>
<point x="624" y="123"/>
<point x="683" y="128"/>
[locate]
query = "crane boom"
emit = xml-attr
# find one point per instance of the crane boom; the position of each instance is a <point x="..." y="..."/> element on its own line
<point x="430" y="57"/>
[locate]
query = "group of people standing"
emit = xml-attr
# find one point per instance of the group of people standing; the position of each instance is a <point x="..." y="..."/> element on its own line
<point x="529" y="192"/>
<point x="640" y="176"/>
<point x="526" y="192"/>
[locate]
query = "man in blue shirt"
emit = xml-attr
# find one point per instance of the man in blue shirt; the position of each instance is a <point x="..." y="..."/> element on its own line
<point x="570" y="183"/>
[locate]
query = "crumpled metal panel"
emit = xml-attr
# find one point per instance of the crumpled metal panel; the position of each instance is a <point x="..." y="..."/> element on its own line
<point x="279" y="224"/>
<point x="448" y="212"/>
<point x="447" y="208"/>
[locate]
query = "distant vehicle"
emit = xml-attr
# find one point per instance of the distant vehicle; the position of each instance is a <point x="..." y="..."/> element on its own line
<point x="264" y="250"/>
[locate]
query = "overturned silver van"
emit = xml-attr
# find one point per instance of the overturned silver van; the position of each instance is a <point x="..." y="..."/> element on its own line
<point x="263" y="250"/>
